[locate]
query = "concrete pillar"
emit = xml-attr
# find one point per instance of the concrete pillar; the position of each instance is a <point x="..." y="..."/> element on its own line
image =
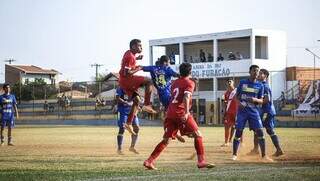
<point x="252" y="46"/>
<point x="181" y="53"/>
<point x="215" y="50"/>
<point x="150" y="55"/>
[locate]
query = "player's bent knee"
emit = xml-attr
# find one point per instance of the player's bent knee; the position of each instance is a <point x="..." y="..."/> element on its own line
<point x="136" y="129"/>
<point x="270" y="132"/>
<point x="238" y="133"/>
<point x="121" y="131"/>
<point x="259" y="133"/>
<point x="166" y="141"/>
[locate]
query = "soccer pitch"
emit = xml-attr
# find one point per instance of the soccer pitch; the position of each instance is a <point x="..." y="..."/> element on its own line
<point x="89" y="153"/>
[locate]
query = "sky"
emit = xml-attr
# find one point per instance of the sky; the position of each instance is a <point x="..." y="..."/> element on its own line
<point x="70" y="35"/>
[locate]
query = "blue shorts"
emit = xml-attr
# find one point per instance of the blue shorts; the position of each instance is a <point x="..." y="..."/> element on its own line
<point x="244" y="115"/>
<point x="164" y="98"/>
<point x="268" y="122"/>
<point x="123" y="120"/>
<point x="7" y="122"/>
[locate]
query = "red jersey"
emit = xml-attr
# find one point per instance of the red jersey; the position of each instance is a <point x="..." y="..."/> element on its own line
<point x="231" y="101"/>
<point x="128" y="62"/>
<point x="178" y="88"/>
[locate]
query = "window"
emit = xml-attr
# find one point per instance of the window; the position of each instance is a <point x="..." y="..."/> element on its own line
<point x="206" y="85"/>
<point x="261" y="47"/>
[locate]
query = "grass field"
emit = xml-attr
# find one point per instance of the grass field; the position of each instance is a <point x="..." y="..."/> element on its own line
<point x="89" y="153"/>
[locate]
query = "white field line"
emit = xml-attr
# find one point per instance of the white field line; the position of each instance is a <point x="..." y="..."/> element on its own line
<point x="200" y="173"/>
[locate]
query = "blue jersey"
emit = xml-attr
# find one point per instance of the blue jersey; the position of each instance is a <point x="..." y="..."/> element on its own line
<point x="248" y="89"/>
<point x="269" y="107"/>
<point x="7" y="102"/>
<point x="123" y="108"/>
<point x="161" y="77"/>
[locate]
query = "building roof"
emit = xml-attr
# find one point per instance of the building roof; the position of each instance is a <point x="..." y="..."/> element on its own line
<point x="110" y="75"/>
<point x="31" y="69"/>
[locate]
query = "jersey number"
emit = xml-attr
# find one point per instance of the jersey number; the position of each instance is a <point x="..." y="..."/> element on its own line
<point x="175" y="93"/>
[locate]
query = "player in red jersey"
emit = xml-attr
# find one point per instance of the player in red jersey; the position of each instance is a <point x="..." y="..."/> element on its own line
<point x="230" y="112"/>
<point x="179" y="118"/>
<point x="130" y="82"/>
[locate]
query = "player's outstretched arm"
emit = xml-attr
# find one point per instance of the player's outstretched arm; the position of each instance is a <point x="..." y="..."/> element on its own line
<point x="16" y="111"/>
<point x="186" y="103"/>
<point x="121" y="101"/>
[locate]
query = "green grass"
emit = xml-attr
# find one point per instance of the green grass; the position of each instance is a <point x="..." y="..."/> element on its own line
<point x="89" y="153"/>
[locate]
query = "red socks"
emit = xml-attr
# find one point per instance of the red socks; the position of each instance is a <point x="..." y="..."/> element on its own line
<point x="198" y="145"/>
<point x="157" y="151"/>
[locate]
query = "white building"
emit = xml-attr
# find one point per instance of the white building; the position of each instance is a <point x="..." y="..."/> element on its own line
<point x="265" y="48"/>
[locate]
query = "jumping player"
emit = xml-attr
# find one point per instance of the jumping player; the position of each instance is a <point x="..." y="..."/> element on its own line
<point x="8" y="105"/>
<point x="250" y="95"/>
<point x="178" y="118"/>
<point x="130" y="82"/>
<point x="124" y="106"/>
<point x="269" y="110"/>
<point x="161" y="75"/>
<point x="230" y="112"/>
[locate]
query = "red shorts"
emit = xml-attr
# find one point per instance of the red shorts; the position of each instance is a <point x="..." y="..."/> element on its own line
<point x="229" y="119"/>
<point x="172" y="126"/>
<point x="131" y="84"/>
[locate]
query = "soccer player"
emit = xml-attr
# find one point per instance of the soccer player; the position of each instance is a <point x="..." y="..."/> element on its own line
<point x="179" y="118"/>
<point x="250" y="95"/>
<point x="161" y="75"/>
<point x="269" y="110"/>
<point x="130" y="82"/>
<point x="124" y="106"/>
<point x="8" y="105"/>
<point x="230" y="112"/>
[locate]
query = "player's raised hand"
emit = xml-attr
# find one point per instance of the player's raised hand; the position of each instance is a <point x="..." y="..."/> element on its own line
<point x="139" y="57"/>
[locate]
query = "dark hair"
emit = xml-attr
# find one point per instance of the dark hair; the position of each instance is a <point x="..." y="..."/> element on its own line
<point x="157" y="63"/>
<point x="185" y="69"/>
<point x="163" y="58"/>
<point x="253" y="67"/>
<point x="134" y="42"/>
<point x="5" y="85"/>
<point x="265" y="72"/>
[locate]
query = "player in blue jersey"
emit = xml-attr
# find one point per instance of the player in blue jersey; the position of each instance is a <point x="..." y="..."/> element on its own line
<point x="268" y="110"/>
<point x="124" y="106"/>
<point x="8" y="107"/>
<point x="161" y="75"/>
<point x="250" y="95"/>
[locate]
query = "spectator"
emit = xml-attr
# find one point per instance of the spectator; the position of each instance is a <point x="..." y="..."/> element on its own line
<point x="239" y="56"/>
<point x="191" y="59"/>
<point x="231" y="56"/>
<point x="210" y="57"/>
<point x="201" y="118"/>
<point x="172" y="58"/>
<point x="220" y="57"/>
<point x="202" y="56"/>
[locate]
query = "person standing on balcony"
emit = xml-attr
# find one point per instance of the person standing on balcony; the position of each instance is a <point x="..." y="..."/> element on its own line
<point x="202" y="56"/>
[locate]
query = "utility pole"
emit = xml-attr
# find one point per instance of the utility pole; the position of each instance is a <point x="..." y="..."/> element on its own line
<point x="10" y="60"/>
<point x="97" y="68"/>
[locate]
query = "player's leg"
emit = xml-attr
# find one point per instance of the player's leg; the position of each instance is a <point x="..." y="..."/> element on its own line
<point x="190" y="128"/>
<point x="269" y="125"/>
<point x="121" y="122"/>
<point x="133" y="112"/>
<point x="134" y="137"/>
<point x="240" y="125"/>
<point x="149" y="163"/>
<point x="255" y="150"/>
<point x="170" y="128"/>
<point x="232" y="134"/>
<point x="2" y="137"/>
<point x="10" y="127"/>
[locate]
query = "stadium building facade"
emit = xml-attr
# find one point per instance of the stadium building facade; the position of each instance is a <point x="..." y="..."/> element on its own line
<point x="217" y="57"/>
